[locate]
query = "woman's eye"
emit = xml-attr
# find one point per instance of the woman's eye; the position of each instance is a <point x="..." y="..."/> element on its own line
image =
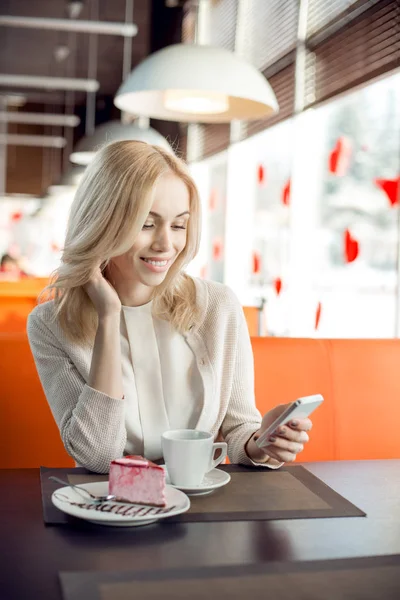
<point x="151" y="226"/>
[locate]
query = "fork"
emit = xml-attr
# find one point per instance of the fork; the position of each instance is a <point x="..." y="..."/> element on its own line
<point x="79" y="489"/>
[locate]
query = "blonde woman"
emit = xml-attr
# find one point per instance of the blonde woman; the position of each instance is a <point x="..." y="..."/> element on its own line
<point x="130" y="346"/>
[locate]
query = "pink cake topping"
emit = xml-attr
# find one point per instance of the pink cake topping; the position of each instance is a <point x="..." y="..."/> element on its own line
<point x="133" y="460"/>
<point x="137" y="480"/>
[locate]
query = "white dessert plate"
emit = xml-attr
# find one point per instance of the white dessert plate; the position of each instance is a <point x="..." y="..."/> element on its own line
<point x="69" y="501"/>
<point x="212" y="480"/>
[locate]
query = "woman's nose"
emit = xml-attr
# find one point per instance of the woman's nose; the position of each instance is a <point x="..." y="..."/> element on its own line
<point x="162" y="241"/>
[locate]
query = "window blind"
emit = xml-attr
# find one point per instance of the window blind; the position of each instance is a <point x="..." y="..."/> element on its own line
<point x="216" y="138"/>
<point x="282" y="82"/>
<point x="269" y="38"/>
<point x="321" y="13"/>
<point x="223" y="17"/>
<point x="348" y="43"/>
<point x="269" y="31"/>
<point x="366" y="46"/>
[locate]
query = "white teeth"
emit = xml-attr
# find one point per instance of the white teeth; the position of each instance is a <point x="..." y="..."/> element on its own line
<point x="161" y="263"/>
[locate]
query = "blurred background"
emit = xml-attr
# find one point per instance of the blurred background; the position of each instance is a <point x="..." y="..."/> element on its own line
<point x="300" y="207"/>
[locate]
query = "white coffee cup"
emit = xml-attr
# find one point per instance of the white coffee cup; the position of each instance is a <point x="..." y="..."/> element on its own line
<point x="189" y="455"/>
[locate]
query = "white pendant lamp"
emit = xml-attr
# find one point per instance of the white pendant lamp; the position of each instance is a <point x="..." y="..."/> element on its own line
<point x="196" y="83"/>
<point x="114" y="131"/>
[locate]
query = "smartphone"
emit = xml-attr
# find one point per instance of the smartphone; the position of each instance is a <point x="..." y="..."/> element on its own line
<point x="299" y="409"/>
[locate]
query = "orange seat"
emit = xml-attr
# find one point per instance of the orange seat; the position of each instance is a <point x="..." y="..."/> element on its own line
<point x="17" y="299"/>
<point x="359" y="381"/>
<point x="29" y="436"/>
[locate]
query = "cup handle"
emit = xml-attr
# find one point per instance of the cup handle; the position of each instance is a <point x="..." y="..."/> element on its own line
<point x="224" y="451"/>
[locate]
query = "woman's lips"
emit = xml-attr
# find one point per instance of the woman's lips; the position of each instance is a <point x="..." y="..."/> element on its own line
<point x="156" y="266"/>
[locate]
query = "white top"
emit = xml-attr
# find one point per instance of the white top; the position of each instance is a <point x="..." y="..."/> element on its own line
<point x="162" y="384"/>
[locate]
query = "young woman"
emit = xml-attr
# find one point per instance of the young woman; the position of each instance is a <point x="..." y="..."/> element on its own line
<point x="130" y="346"/>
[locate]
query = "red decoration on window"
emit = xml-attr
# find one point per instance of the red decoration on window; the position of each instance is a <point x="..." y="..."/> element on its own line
<point x="261" y="175"/>
<point x="340" y="157"/>
<point x="217" y="250"/>
<point x="17" y="216"/>
<point x="55" y="247"/>
<point x="318" y="315"/>
<point x="351" y="247"/>
<point x="286" y="193"/>
<point x="278" y="285"/>
<point x="391" y="189"/>
<point x="213" y="200"/>
<point x="256" y="266"/>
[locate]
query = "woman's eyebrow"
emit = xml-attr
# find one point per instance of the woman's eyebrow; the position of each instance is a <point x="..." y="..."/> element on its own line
<point x="154" y="214"/>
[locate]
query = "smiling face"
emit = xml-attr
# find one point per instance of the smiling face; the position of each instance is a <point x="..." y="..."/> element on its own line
<point x="163" y="237"/>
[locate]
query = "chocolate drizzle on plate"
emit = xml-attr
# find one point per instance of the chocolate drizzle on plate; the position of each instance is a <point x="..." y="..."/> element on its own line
<point x="121" y="509"/>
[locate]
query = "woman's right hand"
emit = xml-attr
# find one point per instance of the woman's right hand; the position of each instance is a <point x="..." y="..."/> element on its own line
<point x="104" y="297"/>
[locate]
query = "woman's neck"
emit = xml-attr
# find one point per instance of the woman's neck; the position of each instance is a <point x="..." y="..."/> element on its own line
<point x="135" y="295"/>
<point x="131" y="293"/>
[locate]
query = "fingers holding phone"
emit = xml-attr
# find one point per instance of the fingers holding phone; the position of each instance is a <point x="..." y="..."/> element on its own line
<point x="298" y="435"/>
<point x="283" y="431"/>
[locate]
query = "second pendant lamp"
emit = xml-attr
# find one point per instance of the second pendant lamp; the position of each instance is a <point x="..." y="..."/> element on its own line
<point x="113" y="131"/>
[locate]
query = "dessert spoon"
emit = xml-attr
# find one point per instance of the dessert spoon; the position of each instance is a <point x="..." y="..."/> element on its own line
<point x="79" y="489"/>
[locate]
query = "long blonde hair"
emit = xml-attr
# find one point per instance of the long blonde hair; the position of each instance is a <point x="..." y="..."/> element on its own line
<point x="110" y="207"/>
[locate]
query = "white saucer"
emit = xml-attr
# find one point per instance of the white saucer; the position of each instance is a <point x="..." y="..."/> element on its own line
<point x="213" y="480"/>
<point x="70" y="502"/>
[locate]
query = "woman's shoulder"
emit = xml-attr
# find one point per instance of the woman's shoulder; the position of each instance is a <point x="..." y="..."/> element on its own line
<point x="213" y="296"/>
<point x="44" y="312"/>
<point x="219" y="292"/>
<point x="42" y="318"/>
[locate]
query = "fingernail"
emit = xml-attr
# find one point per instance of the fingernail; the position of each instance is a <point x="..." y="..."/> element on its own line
<point x="294" y="423"/>
<point x="272" y="439"/>
<point x="282" y="430"/>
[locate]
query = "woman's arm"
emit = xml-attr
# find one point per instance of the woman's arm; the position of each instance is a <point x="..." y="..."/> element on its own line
<point x="243" y="420"/>
<point x="90" y="416"/>
<point x="105" y="370"/>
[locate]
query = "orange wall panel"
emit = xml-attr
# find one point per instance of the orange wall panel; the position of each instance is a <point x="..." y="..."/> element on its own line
<point x="367" y="398"/>
<point x="286" y="369"/>
<point x="359" y="380"/>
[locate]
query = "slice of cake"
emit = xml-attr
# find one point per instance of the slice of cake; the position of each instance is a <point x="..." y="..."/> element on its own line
<point x="137" y="480"/>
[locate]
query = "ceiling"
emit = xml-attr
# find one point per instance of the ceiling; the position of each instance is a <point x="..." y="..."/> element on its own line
<point x="43" y="52"/>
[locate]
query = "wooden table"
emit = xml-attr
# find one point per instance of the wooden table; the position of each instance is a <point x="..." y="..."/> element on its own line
<point x="32" y="554"/>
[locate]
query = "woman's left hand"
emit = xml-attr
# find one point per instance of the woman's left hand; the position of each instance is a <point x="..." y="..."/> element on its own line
<point x="288" y="440"/>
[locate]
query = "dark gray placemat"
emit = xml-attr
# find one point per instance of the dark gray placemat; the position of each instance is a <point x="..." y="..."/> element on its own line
<point x="371" y="578"/>
<point x="251" y="495"/>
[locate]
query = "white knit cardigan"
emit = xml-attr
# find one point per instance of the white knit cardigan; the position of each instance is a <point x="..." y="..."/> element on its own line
<point x="92" y="424"/>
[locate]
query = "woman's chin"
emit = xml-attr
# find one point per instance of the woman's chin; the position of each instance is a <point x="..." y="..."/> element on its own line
<point x="153" y="279"/>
